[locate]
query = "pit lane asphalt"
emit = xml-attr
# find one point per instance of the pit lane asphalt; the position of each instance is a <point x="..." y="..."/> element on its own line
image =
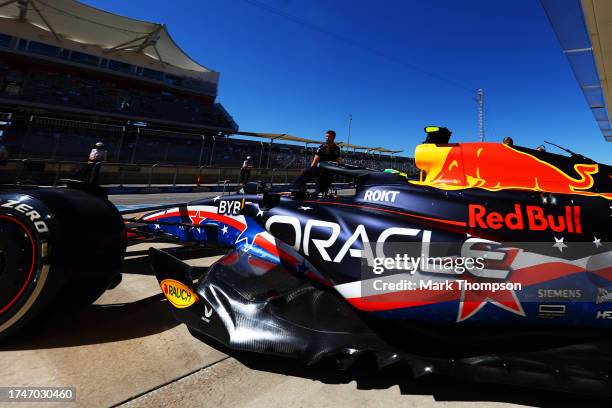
<point x="128" y="350"/>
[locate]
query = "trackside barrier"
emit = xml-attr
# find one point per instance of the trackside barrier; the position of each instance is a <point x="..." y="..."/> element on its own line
<point x="139" y="178"/>
<point x="50" y="172"/>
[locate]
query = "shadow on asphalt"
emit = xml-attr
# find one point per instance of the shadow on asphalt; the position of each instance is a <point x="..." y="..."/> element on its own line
<point x="367" y="376"/>
<point x="96" y="324"/>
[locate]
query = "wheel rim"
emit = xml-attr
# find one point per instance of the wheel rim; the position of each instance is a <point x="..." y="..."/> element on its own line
<point x="17" y="261"/>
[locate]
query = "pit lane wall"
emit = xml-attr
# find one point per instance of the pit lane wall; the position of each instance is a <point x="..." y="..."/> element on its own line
<point x="134" y="179"/>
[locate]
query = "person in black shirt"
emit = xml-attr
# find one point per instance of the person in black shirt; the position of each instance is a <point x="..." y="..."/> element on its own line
<point x="328" y="151"/>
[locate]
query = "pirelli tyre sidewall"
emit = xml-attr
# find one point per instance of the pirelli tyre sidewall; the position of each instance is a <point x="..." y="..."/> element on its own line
<point x="26" y="285"/>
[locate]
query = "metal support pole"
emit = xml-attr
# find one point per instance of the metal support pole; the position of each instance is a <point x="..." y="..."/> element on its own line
<point x="151" y="173"/>
<point x="166" y="153"/>
<point x="269" y="153"/>
<point x="201" y="152"/>
<point x="26" y="136"/>
<point x="480" y="102"/>
<point x="121" y="175"/>
<point x="135" y="146"/>
<point x="56" y="145"/>
<point x="118" y="155"/>
<point x="350" y="123"/>
<point x="260" y="155"/>
<point x="57" y="173"/>
<point x="212" y="151"/>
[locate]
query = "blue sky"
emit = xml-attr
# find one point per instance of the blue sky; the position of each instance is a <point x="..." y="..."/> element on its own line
<point x="281" y="76"/>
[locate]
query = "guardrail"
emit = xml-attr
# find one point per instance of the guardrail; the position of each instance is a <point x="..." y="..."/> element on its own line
<point x="50" y="172"/>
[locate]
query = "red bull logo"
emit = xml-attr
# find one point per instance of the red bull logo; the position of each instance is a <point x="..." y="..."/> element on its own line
<point x="529" y="217"/>
<point x="494" y="167"/>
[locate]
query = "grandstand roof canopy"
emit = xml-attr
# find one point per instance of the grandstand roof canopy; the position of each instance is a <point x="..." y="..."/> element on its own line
<point x="352" y="146"/>
<point x="279" y="136"/>
<point x="584" y="30"/>
<point x="78" y="22"/>
<point x="383" y="150"/>
<point x="290" y="138"/>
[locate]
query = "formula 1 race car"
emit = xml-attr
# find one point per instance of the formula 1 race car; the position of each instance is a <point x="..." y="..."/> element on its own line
<point x="494" y="265"/>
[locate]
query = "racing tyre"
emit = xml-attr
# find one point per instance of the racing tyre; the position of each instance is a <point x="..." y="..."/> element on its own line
<point x="49" y="258"/>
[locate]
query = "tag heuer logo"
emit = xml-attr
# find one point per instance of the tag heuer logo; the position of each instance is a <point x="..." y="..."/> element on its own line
<point x="604" y="315"/>
<point x="603" y="296"/>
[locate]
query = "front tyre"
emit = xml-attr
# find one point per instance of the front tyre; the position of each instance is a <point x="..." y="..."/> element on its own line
<point x="25" y="283"/>
<point x="59" y="248"/>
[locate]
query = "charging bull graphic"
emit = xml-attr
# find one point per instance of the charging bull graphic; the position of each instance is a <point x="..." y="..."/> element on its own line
<point x="494" y="167"/>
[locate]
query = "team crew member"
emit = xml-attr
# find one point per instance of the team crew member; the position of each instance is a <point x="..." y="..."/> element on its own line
<point x="245" y="170"/>
<point x="328" y="151"/>
<point x="98" y="154"/>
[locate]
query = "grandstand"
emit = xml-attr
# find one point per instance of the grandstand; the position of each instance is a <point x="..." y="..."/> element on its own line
<point x="72" y="75"/>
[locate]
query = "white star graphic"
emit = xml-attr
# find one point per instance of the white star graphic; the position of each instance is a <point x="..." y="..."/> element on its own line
<point x="597" y="242"/>
<point x="559" y="243"/>
<point x="305" y="208"/>
<point x="224" y="229"/>
<point x="244" y="237"/>
<point x="217" y="198"/>
<point x="259" y="213"/>
<point x="157" y="227"/>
